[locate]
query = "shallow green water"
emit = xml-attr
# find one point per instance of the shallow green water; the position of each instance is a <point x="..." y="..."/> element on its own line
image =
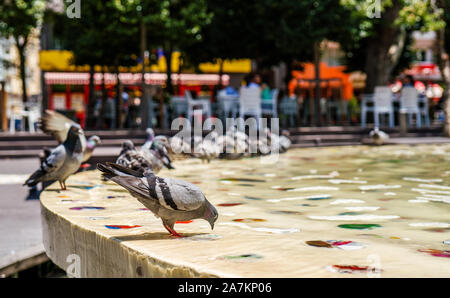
<point x="393" y="199"/>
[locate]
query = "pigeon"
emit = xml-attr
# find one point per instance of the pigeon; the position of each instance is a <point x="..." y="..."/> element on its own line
<point x="178" y="146"/>
<point x="91" y="143"/>
<point x="58" y="125"/>
<point x="285" y="141"/>
<point x="155" y="150"/>
<point x="130" y="158"/>
<point x="207" y="149"/>
<point x="234" y="144"/>
<point x="171" y="200"/>
<point x="62" y="161"/>
<point x="378" y="137"/>
<point x="278" y="143"/>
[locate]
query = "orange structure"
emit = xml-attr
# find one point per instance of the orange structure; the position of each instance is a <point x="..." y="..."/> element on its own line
<point x="333" y="80"/>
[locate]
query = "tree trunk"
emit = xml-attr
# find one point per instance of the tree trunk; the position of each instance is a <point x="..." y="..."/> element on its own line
<point x="22" y="67"/>
<point x="384" y="48"/>
<point x="443" y="61"/>
<point x="104" y="98"/>
<point x="144" y="96"/>
<point x="168" y="54"/>
<point x="92" y="99"/>
<point x="118" y="100"/>
<point x="317" y="112"/>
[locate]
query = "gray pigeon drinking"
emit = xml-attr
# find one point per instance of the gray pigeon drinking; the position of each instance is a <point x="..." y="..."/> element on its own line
<point x="62" y="161"/>
<point x="378" y="137"/>
<point x="91" y="143"/>
<point x="58" y="125"/>
<point x="130" y="158"/>
<point x="170" y="199"/>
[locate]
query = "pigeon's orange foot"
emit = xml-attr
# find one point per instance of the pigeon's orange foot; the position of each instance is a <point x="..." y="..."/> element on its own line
<point x="172" y="231"/>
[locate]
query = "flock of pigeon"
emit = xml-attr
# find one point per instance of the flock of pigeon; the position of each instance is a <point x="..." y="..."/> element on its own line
<point x="135" y="170"/>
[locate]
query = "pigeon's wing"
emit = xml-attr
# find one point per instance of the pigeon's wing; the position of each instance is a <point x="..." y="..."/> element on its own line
<point x="55" y="124"/>
<point x="175" y="194"/>
<point x="51" y="164"/>
<point x="55" y="160"/>
<point x="134" y="160"/>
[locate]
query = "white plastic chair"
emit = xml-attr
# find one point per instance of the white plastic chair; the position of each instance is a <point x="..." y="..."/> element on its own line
<point x="250" y="103"/>
<point x="192" y="104"/>
<point x="32" y="116"/>
<point x="228" y="104"/>
<point x="271" y="108"/>
<point x="382" y="104"/>
<point x="409" y="102"/>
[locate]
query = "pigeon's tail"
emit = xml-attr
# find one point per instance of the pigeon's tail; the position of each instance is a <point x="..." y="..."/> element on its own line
<point x="167" y="162"/>
<point x="111" y="170"/>
<point x="35" y="177"/>
<point x="107" y="172"/>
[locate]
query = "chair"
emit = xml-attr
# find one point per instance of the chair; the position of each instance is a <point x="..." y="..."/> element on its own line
<point x="179" y="106"/>
<point x="423" y="108"/>
<point x="270" y="108"/>
<point x="409" y="103"/>
<point x="154" y="111"/>
<point x="32" y="116"/>
<point x="192" y="104"/>
<point x="228" y="104"/>
<point x="341" y="107"/>
<point x="250" y="103"/>
<point x="289" y="108"/>
<point x="382" y="104"/>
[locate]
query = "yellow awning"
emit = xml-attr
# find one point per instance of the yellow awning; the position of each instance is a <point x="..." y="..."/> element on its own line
<point x="60" y="60"/>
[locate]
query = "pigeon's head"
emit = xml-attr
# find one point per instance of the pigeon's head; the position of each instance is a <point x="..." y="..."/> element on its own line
<point x="211" y="214"/>
<point x="74" y="140"/>
<point x="95" y="140"/>
<point x="150" y="134"/>
<point x="163" y="141"/>
<point x="74" y="131"/>
<point x="127" y="145"/>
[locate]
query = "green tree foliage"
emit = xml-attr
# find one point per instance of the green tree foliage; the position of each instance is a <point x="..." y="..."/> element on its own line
<point x="18" y="18"/>
<point x="101" y="36"/>
<point x="380" y="34"/>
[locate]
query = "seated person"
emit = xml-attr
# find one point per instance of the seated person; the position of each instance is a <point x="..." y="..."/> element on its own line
<point x="266" y="94"/>
<point x="254" y="81"/>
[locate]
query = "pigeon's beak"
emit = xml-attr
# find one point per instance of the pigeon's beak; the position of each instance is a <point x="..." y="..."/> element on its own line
<point x="212" y="226"/>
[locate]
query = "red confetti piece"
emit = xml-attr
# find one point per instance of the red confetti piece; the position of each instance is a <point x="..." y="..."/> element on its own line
<point x="183" y="222"/>
<point x="229" y="204"/>
<point x="338" y="243"/>
<point x="355" y="268"/>
<point x="249" y="219"/>
<point x="436" y="252"/>
<point x="85" y="165"/>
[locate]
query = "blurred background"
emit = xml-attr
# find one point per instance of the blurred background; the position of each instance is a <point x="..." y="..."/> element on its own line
<point x="118" y="67"/>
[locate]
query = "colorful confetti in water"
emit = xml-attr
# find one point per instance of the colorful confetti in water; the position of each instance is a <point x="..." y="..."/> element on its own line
<point x="436" y="252"/>
<point x="354" y="269"/>
<point x="116" y="227"/>
<point x="359" y="226"/>
<point x="229" y="204"/>
<point x="87" y="208"/>
<point x="183" y="222"/>
<point x="249" y="220"/>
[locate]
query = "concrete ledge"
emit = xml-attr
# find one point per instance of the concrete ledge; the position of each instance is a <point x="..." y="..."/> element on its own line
<point x="23" y="260"/>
